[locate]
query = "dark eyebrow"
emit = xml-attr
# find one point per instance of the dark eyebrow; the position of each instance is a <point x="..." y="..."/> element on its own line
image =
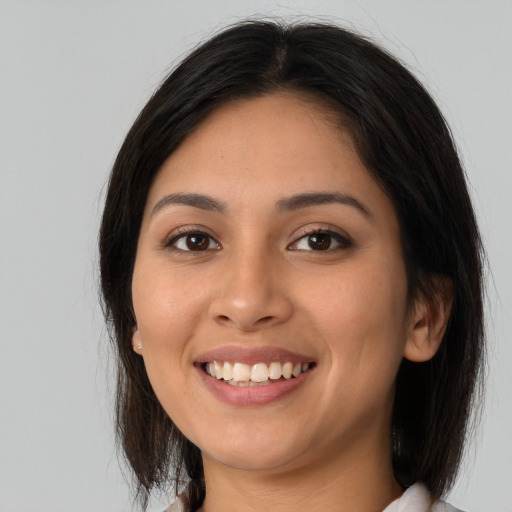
<point x="312" y="199"/>
<point x="196" y="200"/>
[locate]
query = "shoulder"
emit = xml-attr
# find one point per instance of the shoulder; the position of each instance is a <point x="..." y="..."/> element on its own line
<point x="417" y="498"/>
<point x="177" y="506"/>
<point x="442" y="506"/>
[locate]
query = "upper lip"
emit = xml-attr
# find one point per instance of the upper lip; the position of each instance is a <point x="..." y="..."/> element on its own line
<point x="252" y="355"/>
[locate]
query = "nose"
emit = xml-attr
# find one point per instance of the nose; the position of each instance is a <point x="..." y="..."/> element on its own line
<point x="252" y="294"/>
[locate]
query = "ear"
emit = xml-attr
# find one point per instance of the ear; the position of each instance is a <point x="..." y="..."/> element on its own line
<point x="428" y="322"/>
<point x="136" y="341"/>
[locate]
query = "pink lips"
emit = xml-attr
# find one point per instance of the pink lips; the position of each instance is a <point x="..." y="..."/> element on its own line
<point x="254" y="395"/>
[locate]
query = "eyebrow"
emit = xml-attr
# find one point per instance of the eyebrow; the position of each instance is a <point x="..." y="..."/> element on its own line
<point x="292" y="203"/>
<point x="196" y="200"/>
<point x="299" y="201"/>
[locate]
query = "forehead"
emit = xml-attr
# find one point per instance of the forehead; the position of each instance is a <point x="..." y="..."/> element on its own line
<point x="263" y="148"/>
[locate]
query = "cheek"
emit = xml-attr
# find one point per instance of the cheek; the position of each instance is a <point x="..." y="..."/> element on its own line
<point x="168" y="312"/>
<point x="360" y="315"/>
<point x="166" y="307"/>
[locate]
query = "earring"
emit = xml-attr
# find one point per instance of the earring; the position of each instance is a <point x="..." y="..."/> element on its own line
<point x="139" y="345"/>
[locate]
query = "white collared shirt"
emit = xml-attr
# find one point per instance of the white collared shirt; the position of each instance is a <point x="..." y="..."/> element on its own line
<point x="417" y="498"/>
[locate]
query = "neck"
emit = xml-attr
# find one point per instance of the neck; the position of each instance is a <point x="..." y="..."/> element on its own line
<point x="361" y="481"/>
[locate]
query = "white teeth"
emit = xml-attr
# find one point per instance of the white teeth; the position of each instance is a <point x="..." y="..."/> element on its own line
<point x="218" y="370"/>
<point x="287" y="370"/>
<point x="275" y="371"/>
<point x="264" y="383"/>
<point x="259" y="372"/>
<point x="241" y="374"/>
<point x="246" y="383"/>
<point x="227" y="371"/>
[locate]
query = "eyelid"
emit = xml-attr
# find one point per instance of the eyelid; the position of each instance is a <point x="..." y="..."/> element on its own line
<point x="183" y="231"/>
<point x="341" y="237"/>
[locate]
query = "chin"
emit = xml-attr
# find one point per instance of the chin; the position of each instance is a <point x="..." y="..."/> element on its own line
<point x="247" y="455"/>
<point x="254" y="462"/>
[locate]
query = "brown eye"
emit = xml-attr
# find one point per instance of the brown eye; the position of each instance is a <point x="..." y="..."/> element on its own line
<point x="325" y="240"/>
<point x="319" y="241"/>
<point x="197" y="242"/>
<point x="193" y="241"/>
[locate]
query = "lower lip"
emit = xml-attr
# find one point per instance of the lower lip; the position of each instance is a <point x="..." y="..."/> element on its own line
<point x="251" y="395"/>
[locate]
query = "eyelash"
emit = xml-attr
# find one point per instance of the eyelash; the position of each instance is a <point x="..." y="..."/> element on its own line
<point x="186" y="232"/>
<point x="342" y="241"/>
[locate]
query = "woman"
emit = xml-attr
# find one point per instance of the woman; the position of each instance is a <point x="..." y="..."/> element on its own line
<point x="291" y="268"/>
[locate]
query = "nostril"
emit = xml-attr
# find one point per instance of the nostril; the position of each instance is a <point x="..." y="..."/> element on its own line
<point x="265" y="319"/>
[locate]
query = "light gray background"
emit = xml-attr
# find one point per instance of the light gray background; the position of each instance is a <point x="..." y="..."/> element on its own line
<point x="73" y="75"/>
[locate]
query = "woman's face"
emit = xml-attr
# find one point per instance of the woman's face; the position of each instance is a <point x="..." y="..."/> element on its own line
<point x="266" y="248"/>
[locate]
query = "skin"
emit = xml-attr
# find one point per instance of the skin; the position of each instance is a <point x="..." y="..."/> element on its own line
<point x="326" y="445"/>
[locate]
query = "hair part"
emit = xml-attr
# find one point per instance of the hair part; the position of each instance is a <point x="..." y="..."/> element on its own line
<point x="405" y="144"/>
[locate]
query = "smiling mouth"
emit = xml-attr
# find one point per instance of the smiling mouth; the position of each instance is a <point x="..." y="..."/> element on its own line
<point x="259" y="374"/>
